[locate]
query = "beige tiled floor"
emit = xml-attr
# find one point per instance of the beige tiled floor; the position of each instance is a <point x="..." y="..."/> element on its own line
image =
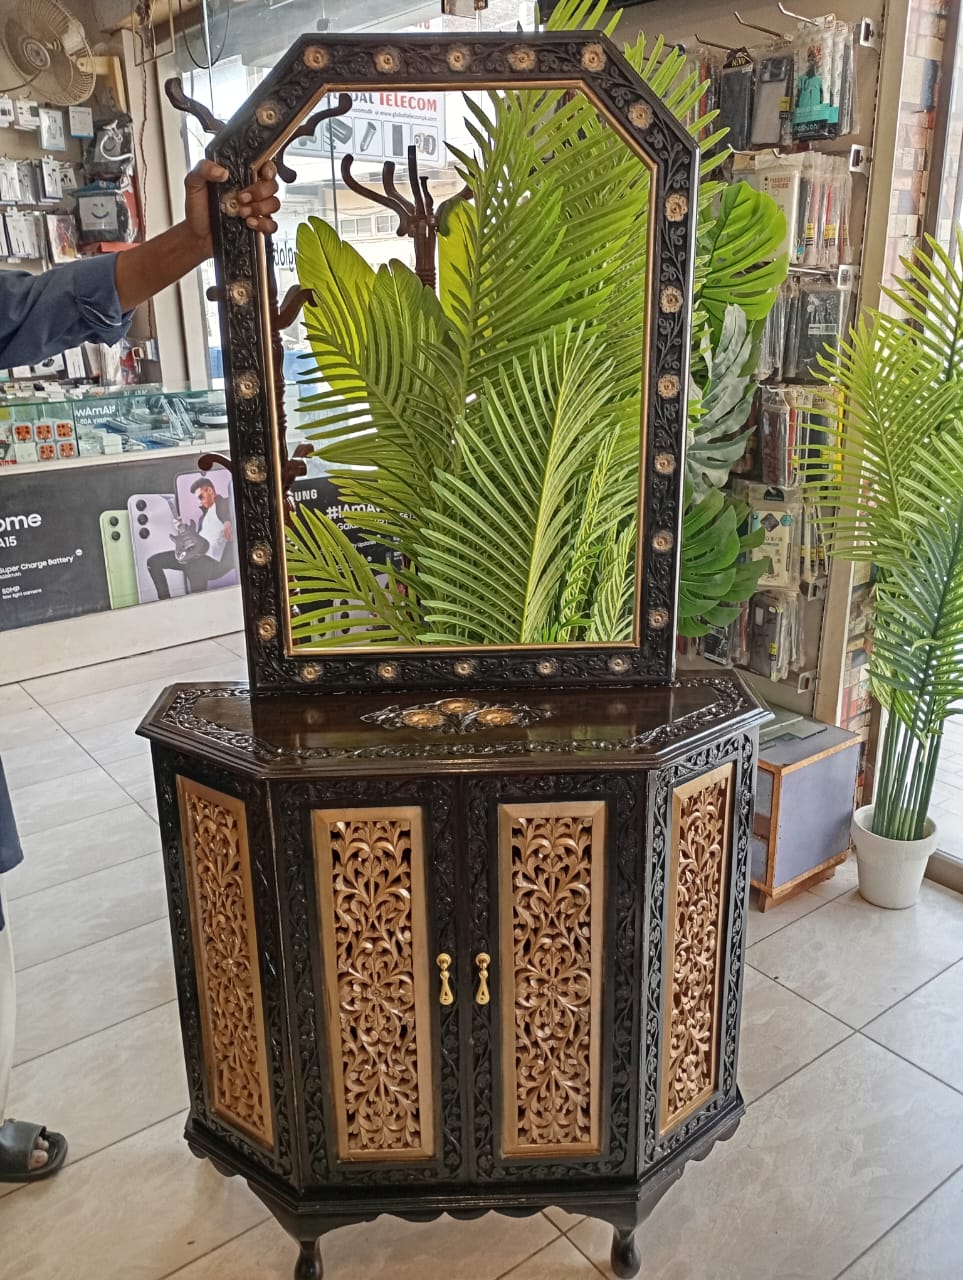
<point x="848" y="1164"/>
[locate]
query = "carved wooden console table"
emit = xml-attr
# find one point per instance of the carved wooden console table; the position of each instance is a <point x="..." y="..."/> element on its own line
<point x="478" y="952"/>
<point x="458" y="892"/>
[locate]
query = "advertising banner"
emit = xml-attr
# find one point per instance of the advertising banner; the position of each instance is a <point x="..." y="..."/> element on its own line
<point x="382" y="125"/>
<point x="86" y="539"/>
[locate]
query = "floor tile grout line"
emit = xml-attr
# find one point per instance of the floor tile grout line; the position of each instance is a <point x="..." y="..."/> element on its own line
<point x="90" y="1034"/>
<point x="28" y="835"/>
<point x="223" y="1245"/>
<point x="124" y="862"/>
<point x="803" y="1067"/>
<point x="909" y="994"/>
<point x="789" y="923"/>
<point x="798" y="994"/>
<point x="591" y="1261"/>
<point x="892" y="1227"/>
<point x="559" y="1235"/>
<point x="72" y="1164"/>
<point x="25" y="968"/>
<point x="909" y="1061"/>
<point x="108" y="662"/>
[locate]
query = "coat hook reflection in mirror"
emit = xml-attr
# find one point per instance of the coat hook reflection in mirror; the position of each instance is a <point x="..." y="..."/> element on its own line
<point x="798" y="17"/>
<point x="754" y="26"/>
<point x="711" y="44"/>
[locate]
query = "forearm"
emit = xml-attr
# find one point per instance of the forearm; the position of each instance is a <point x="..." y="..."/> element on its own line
<point x="149" y="267"/>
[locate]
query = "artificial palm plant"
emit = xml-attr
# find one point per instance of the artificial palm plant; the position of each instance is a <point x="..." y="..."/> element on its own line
<point x="489" y="435"/>
<point x="893" y="468"/>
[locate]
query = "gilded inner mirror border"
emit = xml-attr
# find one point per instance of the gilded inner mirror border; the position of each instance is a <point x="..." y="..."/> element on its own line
<point x="585" y="61"/>
<point x="291" y="649"/>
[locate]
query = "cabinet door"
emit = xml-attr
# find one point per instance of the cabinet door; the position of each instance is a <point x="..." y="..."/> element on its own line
<point x="696" y="904"/>
<point x="381" y="1010"/>
<point x="554" y="903"/>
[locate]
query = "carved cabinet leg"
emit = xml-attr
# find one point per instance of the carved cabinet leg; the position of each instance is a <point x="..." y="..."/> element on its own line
<point x="309" y="1262"/>
<point x="625" y="1258"/>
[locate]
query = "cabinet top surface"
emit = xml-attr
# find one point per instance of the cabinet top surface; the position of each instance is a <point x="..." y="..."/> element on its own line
<point x="283" y="735"/>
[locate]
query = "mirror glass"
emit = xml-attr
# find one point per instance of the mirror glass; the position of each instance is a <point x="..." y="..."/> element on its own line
<point x="468" y="370"/>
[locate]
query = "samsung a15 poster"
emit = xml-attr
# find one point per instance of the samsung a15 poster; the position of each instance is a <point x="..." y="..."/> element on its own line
<point x="83" y="540"/>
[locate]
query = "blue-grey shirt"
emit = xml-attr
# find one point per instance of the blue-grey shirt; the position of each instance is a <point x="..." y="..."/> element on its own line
<point x="41" y="316"/>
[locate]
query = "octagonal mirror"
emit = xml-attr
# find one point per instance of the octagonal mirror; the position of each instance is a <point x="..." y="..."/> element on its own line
<point x="458" y="406"/>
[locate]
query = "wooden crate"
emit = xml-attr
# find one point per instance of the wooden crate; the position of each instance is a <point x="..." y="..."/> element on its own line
<point x="804" y="804"/>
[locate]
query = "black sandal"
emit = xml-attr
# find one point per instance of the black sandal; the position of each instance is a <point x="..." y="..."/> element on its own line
<point x="18" y="1141"/>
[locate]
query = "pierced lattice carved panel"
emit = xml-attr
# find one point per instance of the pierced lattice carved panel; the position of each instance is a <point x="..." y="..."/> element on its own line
<point x="372" y="895"/>
<point x="551" y="904"/>
<point x="700" y="848"/>
<point x="214" y="828"/>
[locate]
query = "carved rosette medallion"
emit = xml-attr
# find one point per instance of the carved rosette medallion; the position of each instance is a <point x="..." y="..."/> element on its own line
<point x="551" y="866"/>
<point x="700" y="848"/>
<point x="372" y="898"/>
<point x="214" y="829"/>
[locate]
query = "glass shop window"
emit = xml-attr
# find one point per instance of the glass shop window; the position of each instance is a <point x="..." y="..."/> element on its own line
<point x="244" y="42"/>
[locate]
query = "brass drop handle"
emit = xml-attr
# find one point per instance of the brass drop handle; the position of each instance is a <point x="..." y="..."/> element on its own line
<point x="444" y="966"/>
<point x="482" y="961"/>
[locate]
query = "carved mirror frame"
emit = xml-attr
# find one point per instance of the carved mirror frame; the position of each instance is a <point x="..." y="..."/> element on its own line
<point x="247" y="298"/>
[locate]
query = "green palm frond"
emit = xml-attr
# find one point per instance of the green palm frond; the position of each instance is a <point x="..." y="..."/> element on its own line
<point x="382" y="416"/>
<point x="338" y="596"/>
<point x="894" y="467"/>
<point x="491" y="554"/>
<point x="890" y="401"/>
<point x="523" y="378"/>
<point x="931" y="295"/>
<point x="614" y="609"/>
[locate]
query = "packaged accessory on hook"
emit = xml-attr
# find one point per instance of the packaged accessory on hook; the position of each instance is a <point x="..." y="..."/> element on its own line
<point x="109" y="155"/>
<point x="735" y="97"/>
<point x="775" y="633"/>
<point x="824" y="81"/>
<point x="103" y="215"/>
<point x="778" y="512"/>
<point x="772" y="101"/>
<point x="777" y="437"/>
<point x="816" y="319"/>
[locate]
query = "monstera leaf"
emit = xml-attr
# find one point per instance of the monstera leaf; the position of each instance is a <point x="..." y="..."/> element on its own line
<point x="719" y="409"/>
<point x="740" y="258"/>
<point x="715" y="576"/>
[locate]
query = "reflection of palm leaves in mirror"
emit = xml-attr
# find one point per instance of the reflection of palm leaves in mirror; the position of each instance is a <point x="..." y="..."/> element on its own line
<point x="424" y="396"/>
<point x="548" y="255"/>
<point x="501" y="528"/>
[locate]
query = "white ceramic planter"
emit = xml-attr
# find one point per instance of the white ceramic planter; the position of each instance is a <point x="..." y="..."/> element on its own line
<point x="890" y="871"/>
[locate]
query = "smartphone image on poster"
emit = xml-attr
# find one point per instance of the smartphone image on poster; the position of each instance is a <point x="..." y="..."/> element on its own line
<point x="205" y="503"/>
<point x="119" y="559"/>
<point x="152" y="533"/>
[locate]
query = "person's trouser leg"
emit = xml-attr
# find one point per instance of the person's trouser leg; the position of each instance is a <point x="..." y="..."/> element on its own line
<point x="157" y="565"/>
<point x="199" y="573"/>
<point x="8" y="1008"/>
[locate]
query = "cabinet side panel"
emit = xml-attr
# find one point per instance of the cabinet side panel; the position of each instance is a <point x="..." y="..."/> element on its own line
<point x="700" y="849"/>
<point x="220" y="896"/>
<point x="551" y="885"/>
<point x="372" y="893"/>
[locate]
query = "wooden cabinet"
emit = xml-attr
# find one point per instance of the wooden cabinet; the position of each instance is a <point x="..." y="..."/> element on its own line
<point x="804" y="806"/>
<point x="490" y="970"/>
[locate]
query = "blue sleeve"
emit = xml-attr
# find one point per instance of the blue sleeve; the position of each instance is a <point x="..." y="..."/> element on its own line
<point x="41" y="316"/>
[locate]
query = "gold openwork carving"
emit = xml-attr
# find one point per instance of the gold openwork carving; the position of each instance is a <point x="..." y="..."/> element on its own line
<point x="214" y="829"/>
<point x="372" y="897"/>
<point x="551" y="869"/>
<point x="699" y="853"/>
